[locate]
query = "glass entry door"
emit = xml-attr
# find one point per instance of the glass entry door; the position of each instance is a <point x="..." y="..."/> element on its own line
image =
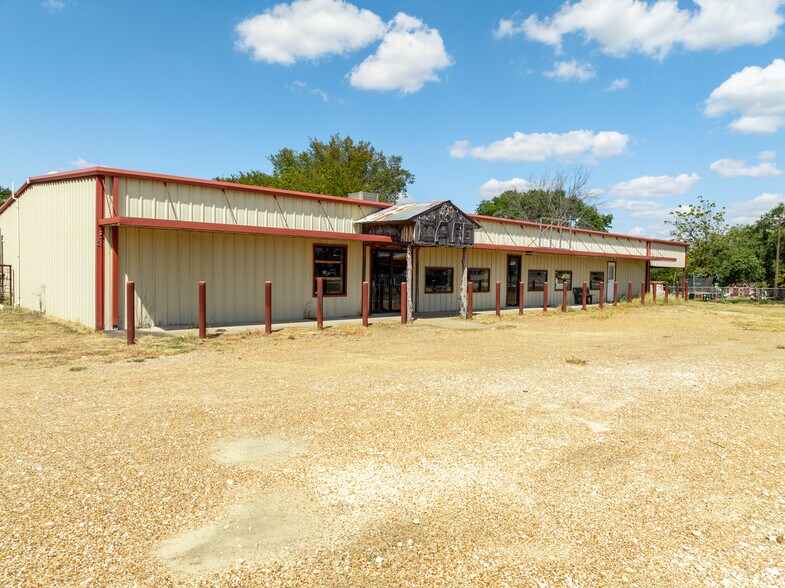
<point x="513" y="279"/>
<point x="388" y="270"/>
<point x="611" y="281"/>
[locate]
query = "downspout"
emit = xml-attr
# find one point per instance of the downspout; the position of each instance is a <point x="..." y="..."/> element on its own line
<point x="18" y="250"/>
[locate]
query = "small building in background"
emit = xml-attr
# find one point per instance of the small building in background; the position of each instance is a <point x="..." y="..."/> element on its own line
<point x="69" y="242"/>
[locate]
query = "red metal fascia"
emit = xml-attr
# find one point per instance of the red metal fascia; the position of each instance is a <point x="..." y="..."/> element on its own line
<point x="150" y="223"/>
<point x="100" y="184"/>
<point x="563" y="252"/>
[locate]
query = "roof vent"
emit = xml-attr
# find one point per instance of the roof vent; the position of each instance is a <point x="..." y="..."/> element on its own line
<point x="369" y="196"/>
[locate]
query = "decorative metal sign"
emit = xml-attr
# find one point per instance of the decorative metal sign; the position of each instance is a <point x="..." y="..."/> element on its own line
<point x="445" y="226"/>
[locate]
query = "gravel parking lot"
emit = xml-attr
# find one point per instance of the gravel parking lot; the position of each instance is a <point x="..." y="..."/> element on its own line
<point x="629" y="446"/>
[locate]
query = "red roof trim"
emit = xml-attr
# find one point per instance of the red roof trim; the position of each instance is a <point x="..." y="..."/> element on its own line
<point x="152" y="223"/>
<point x="588" y="231"/>
<point x="566" y="252"/>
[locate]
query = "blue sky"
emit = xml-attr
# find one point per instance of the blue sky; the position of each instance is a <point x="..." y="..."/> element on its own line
<point x="661" y="101"/>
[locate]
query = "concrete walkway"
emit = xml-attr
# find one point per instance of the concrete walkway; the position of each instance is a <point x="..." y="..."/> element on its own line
<point x="444" y="320"/>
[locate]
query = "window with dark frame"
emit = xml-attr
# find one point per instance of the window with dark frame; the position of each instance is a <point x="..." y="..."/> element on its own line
<point x="438" y="280"/>
<point x="562" y="277"/>
<point x="481" y="278"/>
<point x="595" y="279"/>
<point x="329" y="263"/>
<point x="536" y="280"/>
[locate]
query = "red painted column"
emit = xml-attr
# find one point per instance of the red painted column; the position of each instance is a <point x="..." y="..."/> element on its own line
<point x="470" y="301"/>
<point x="100" y="184"/>
<point x="268" y="307"/>
<point x="685" y="291"/>
<point x="202" y="310"/>
<point x="130" y="314"/>
<point x="498" y="298"/>
<point x="615" y="292"/>
<point x="403" y="303"/>
<point x="545" y="297"/>
<point x="654" y="293"/>
<point x="602" y="294"/>
<point x="115" y="277"/>
<point x="643" y="293"/>
<point x="583" y="301"/>
<point x="320" y="303"/>
<point x="676" y="289"/>
<point x="667" y="287"/>
<point x="564" y="296"/>
<point x="629" y="292"/>
<point x="365" y="304"/>
<point x="521" y="292"/>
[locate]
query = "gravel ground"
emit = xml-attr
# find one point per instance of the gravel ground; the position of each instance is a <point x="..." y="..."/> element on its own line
<point x="631" y="446"/>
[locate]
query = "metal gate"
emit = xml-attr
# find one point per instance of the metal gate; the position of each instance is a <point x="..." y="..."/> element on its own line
<point x="6" y="284"/>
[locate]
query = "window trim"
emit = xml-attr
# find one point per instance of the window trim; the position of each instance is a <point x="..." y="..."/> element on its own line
<point x="483" y="269"/>
<point x="442" y="267"/>
<point x="601" y="281"/>
<point x="556" y="287"/>
<point x="345" y="262"/>
<point x="528" y="284"/>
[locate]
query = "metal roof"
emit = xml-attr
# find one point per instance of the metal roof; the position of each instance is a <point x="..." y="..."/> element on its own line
<point x="400" y="212"/>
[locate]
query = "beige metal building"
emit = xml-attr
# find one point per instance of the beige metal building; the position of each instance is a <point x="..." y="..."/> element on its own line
<point x="71" y="241"/>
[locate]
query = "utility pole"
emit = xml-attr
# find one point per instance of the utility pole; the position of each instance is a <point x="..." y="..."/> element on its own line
<point x="777" y="263"/>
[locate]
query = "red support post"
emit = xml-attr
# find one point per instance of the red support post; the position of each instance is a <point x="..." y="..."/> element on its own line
<point x="685" y="291"/>
<point x="268" y="308"/>
<point x="676" y="289"/>
<point x="403" y="303"/>
<point x="643" y="293"/>
<point x="470" y="301"/>
<point x="365" y="304"/>
<point x="564" y="296"/>
<point x="319" y="303"/>
<point x="100" y="185"/>
<point x="545" y="297"/>
<point x="602" y="294"/>
<point x="666" y="292"/>
<point x="629" y="292"/>
<point x="654" y="293"/>
<point x="615" y="292"/>
<point x="521" y="292"/>
<point x="115" y="232"/>
<point x="498" y="298"/>
<point x="130" y="314"/>
<point x="202" y="310"/>
<point x="583" y="298"/>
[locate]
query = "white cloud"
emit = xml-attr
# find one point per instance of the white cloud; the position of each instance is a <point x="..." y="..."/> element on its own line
<point x="308" y="29"/>
<point x="766" y="155"/>
<point x="81" y="163"/>
<point x="654" y="28"/>
<point x="757" y="93"/>
<point x="633" y="205"/>
<point x="409" y="56"/>
<point x="541" y="146"/>
<point x="299" y="86"/>
<point x="655" y="186"/>
<point x="743" y="213"/>
<point x="494" y="187"/>
<point x="736" y="168"/>
<point x="565" y="71"/>
<point x="618" y="84"/>
<point x="54" y="6"/>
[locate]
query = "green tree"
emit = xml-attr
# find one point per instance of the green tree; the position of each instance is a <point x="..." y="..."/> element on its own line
<point x="5" y="194"/>
<point x="336" y="167"/>
<point x="739" y="262"/>
<point x="764" y="233"/>
<point x="558" y="199"/>
<point x="704" y="228"/>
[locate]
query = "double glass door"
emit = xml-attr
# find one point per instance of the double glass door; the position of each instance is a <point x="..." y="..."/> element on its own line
<point x="388" y="270"/>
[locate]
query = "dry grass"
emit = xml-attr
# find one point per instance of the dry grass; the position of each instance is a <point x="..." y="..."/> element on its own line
<point x="428" y="454"/>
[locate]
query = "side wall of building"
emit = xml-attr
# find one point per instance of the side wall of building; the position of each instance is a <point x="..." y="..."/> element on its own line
<point x="627" y="270"/>
<point x="55" y="272"/>
<point x="166" y="267"/>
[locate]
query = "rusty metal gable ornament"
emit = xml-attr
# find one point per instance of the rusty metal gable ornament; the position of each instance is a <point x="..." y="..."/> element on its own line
<point x="444" y="226"/>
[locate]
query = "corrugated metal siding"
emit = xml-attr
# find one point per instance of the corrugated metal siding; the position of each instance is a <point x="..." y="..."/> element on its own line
<point x="669" y="250"/>
<point x="57" y="229"/>
<point x="166" y="267"/>
<point x="626" y="271"/>
<point x="147" y="199"/>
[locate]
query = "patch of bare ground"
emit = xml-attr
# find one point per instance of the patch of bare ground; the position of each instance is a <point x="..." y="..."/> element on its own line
<point x="400" y="455"/>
